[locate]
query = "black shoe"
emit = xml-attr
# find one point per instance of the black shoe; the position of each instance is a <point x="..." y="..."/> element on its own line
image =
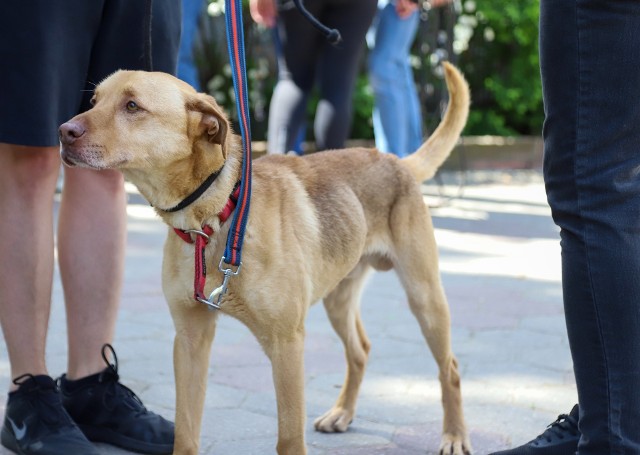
<point x="560" y="438"/>
<point x="35" y="421"/>
<point x="107" y="411"/>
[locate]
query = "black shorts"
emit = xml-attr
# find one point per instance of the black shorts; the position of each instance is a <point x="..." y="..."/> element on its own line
<point x="54" y="52"/>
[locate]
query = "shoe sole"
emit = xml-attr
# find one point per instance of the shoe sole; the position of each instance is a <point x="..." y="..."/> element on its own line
<point x="94" y="434"/>
<point x="8" y="440"/>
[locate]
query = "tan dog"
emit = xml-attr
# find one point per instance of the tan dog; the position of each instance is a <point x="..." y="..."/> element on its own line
<point x="317" y="226"/>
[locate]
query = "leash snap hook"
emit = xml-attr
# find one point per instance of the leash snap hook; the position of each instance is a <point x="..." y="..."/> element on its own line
<point x="215" y="298"/>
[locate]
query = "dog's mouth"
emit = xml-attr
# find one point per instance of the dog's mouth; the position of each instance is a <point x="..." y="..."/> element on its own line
<point x="88" y="158"/>
<point x="69" y="158"/>
<point x="66" y="158"/>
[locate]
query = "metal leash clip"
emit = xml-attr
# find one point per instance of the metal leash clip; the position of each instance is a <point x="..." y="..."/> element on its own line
<point x="213" y="302"/>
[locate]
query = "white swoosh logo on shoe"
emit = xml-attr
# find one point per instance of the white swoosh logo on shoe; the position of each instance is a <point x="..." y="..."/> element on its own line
<point x="18" y="431"/>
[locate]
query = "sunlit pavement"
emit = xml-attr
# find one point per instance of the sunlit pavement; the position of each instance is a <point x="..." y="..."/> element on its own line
<point x="500" y="265"/>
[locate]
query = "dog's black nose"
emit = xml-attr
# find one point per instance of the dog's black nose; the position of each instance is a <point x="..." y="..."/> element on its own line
<point x="69" y="132"/>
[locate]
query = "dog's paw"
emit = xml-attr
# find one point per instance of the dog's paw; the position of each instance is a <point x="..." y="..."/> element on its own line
<point x="455" y="445"/>
<point x="335" y="420"/>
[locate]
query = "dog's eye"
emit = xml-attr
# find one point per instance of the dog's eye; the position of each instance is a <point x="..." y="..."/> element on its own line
<point x="92" y="101"/>
<point x="132" y="106"/>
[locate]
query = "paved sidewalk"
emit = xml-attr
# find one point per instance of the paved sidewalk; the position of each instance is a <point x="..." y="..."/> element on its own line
<point x="500" y="263"/>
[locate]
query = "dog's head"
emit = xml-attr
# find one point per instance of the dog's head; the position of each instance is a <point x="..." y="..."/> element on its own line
<point x="143" y="121"/>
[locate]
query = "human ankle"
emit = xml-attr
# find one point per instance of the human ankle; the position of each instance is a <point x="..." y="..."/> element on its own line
<point x="17" y="374"/>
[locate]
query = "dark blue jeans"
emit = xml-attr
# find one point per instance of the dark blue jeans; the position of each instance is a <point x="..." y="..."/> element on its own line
<point x="590" y="62"/>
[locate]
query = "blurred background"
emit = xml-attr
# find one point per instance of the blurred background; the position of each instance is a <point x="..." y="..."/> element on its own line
<point x="494" y="44"/>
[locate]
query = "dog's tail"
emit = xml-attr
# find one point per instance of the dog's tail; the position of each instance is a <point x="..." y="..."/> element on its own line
<point x="429" y="157"/>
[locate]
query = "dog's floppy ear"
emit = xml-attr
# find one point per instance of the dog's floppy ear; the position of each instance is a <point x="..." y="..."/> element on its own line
<point x="212" y="122"/>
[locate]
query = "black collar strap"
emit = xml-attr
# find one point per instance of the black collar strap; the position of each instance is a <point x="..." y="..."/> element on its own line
<point x="196" y="194"/>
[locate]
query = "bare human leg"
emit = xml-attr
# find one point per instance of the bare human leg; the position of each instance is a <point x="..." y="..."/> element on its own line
<point x="27" y="183"/>
<point x="91" y="244"/>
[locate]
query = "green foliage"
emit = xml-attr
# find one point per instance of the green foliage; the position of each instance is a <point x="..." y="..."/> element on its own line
<point x="362" y="127"/>
<point x="502" y="67"/>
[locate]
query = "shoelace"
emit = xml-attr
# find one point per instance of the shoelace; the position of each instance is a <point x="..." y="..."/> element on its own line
<point x="115" y="389"/>
<point x="45" y="398"/>
<point x="563" y="424"/>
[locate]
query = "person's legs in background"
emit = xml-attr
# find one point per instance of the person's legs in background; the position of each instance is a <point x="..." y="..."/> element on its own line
<point x="397" y="121"/>
<point x="297" y="44"/>
<point x="412" y="102"/>
<point x="187" y="70"/>
<point x="297" y="145"/>
<point x="305" y="54"/>
<point x="338" y="69"/>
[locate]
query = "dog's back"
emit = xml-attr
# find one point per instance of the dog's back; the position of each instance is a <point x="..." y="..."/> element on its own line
<point x="364" y="187"/>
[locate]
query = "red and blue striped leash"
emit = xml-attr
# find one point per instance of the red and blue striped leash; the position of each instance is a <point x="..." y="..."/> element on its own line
<point x="241" y="198"/>
<point x="235" y="45"/>
<point x="231" y="262"/>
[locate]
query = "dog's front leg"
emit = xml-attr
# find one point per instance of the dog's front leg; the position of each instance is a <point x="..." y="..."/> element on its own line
<point x="287" y="360"/>
<point x="195" y="328"/>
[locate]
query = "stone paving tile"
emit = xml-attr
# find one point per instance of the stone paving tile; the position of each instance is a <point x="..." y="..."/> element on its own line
<point x="500" y="264"/>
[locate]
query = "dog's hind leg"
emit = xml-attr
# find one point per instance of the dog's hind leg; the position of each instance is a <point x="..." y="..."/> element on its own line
<point x="415" y="259"/>
<point x="195" y="328"/>
<point x="343" y="308"/>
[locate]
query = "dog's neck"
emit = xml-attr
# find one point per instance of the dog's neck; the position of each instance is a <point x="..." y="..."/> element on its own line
<point x="160" y="190"/>
<point x="199" y="191"/>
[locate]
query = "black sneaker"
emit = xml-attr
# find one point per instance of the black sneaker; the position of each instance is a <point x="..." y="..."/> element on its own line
<point x="35" y="421"/>
<point x="107" y="411"/>
<point x="560" y="438"/>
